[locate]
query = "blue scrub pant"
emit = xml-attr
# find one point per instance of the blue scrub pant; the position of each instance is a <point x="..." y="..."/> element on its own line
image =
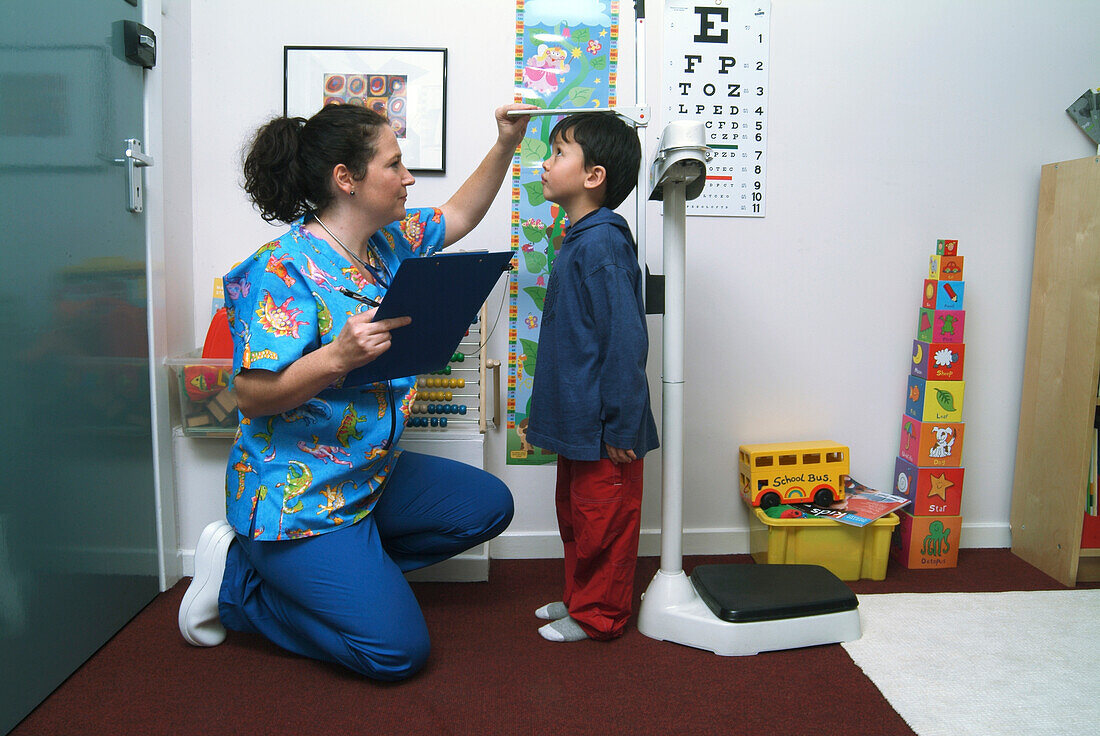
<point x="341" y="596"/>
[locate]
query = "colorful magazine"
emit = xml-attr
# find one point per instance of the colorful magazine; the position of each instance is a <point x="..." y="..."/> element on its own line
<point x="861" y="505"/>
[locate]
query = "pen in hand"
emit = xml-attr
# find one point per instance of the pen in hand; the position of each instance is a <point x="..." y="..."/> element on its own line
<point x="358" y="297"/>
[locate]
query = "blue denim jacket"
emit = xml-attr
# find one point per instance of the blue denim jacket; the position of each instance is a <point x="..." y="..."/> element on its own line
<point x="590" y="385"/>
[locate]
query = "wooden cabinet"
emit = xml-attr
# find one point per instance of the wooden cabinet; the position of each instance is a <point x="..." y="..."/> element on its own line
<point x="1060" y="375"/>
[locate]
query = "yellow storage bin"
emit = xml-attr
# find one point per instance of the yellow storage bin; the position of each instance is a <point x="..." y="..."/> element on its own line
<point x="849" y="552"/>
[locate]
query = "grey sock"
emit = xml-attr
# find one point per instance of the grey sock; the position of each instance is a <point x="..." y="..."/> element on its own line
<point x="564" y="629"/>
<point x="552" y="611"/>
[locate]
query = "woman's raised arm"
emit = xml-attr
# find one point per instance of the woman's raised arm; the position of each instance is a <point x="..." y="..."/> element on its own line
<point x="464" y="210"/>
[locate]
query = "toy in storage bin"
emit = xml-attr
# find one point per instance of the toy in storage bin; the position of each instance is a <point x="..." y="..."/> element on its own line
<point x="849" y="552"/>
<point x="207" y="406"/>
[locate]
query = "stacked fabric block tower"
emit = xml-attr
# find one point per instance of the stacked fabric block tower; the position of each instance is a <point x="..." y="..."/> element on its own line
<point x="928" y="470"/>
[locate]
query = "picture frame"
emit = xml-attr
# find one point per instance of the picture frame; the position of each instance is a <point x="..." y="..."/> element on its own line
<point x="407" y="85"/>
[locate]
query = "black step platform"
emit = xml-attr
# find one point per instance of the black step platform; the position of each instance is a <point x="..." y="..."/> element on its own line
<point x="744" y="593"/>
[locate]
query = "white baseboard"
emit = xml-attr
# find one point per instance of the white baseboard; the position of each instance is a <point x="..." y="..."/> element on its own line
<point x="541" y="545"/>
<point x="474" y="566"/>
<point x="458" y="569"/>
<point x="985" y="535"/>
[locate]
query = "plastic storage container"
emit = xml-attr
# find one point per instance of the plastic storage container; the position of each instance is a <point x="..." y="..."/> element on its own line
<point x="207" y="407"/>
<point x="849" y="552"/>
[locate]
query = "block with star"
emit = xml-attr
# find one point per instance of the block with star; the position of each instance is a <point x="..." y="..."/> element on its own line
<point x="931" y="490"/>
<point x="926" y="542"/>
<point x="932" y="444"/>
<point x="938" y="361"/>
<point x="934" y="401"/>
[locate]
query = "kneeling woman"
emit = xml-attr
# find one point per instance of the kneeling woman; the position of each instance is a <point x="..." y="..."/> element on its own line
<point x="325" y="511"/>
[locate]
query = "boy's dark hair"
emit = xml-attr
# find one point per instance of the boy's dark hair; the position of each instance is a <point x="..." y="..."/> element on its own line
<point x="607" y="141"/>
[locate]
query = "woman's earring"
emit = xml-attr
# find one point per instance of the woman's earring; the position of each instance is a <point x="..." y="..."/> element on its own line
<point x="353" y="192"/>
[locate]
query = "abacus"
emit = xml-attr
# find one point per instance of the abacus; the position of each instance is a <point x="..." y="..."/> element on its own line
<point x="453" y="397"/>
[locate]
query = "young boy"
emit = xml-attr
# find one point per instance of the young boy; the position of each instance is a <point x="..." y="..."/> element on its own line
<point x="590" y="400"/>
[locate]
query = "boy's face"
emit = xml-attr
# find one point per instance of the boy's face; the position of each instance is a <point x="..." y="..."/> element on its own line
<point x="564" y="173"/>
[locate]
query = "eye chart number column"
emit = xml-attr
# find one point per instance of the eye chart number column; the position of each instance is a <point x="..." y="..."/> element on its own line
<point x="715" y="69"/>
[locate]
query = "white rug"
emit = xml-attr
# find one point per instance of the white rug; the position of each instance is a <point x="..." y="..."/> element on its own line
<point x="954" y="664"/>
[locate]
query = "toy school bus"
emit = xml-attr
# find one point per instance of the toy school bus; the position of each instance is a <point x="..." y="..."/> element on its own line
<point x="792" y="472"/>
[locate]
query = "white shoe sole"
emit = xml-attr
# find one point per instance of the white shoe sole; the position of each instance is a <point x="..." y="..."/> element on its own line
<point x="213" y="535"/>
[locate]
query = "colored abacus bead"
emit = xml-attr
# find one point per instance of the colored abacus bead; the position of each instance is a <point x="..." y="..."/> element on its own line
<point x="443" y="421"/>
<point x="462" y="409"/>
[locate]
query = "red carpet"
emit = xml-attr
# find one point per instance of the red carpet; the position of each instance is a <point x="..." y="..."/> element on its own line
<point x="491" y="673"/>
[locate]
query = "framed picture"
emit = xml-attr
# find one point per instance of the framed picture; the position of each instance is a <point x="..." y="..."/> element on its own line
<point x="53" y="103"/>
<point x="408" y="86"/>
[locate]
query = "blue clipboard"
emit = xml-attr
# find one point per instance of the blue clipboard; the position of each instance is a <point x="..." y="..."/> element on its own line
<point x="442" y="294"/>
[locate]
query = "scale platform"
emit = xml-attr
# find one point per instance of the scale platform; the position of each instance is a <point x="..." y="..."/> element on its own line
<point x="734" y="610"/>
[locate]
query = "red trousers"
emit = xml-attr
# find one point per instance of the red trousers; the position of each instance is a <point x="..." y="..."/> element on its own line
<point x="599" y="506"/>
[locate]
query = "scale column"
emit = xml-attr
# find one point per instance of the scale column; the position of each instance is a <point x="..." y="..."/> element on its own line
<point x="672" y="381"/>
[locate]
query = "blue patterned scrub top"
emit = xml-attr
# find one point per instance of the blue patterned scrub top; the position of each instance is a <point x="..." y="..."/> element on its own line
<point x="314" y="468"/>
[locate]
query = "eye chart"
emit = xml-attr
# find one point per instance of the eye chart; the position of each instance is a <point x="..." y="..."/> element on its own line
<point x="715" y="69"/>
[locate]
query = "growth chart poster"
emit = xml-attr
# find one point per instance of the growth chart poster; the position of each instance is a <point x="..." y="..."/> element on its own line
<point x="566" y="57"/>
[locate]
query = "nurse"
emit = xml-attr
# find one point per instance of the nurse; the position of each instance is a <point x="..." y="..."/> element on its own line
<point x="325" y="511"/>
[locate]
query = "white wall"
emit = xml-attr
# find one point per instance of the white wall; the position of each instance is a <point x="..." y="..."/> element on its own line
<point x="892" y="124"/>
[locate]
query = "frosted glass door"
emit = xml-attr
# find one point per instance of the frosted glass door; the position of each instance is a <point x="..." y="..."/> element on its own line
<point x="77" y="529"/>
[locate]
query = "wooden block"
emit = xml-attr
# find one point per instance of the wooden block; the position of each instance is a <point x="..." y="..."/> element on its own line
<point x="928" y="299"/>
<point x="222" y="405"/>
<point x="198" y="420"/>
<point x="939" y="325"/>
<point x="949" y="295"/>
<point x="932" y="444"/>
<point x="931" y="490"/>
<point x="945" y="268"/>
<point x="938" y="361"/>
<point x="926" y="542"/>
<point x="938" y="401"/>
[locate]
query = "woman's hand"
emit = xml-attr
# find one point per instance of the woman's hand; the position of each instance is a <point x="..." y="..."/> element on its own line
<point x="464" y="210"/>
<point x="362" y="341"/>
<point x="510" y="130"/>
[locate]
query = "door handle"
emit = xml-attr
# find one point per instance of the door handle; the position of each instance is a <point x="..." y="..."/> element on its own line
<point x="135" y="159"/>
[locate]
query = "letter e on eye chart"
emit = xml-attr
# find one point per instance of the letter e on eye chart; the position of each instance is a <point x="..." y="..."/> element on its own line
<point x="715" y="70"/>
